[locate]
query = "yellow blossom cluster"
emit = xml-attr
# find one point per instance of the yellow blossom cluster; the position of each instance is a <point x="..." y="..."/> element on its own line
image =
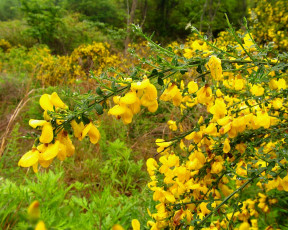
<point x="54" y="143"/>
<point x="270" y="18"/>
<point x="141" y="93"/>
<point x="93" y="57"/>
<point x="5" y="45"/>
<point x="182" y="182"/>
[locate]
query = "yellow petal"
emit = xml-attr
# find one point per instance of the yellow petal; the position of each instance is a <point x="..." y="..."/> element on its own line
<point x="127" y="116"/>
<point x="140" y="85"/>
<point x="34" y="210"/>
<point x="226" y="147"/>
<point x="40" y="226"/>
<point x="117" y="110"/>
<point x="65" y="140"/>
<point x="117" y="227"/>
<point x="51" y="151"/>
<point x="135" y="224"/>
<point x="69" y="147"/>
<point x="129" y="98"/>
<point x="47" y="133"/>
<point x="77" y="128"/>
<point x="62" y="152"/>
<point x="151" y="92"/>
<point x="34" y="123"/>
<point x="45" y="102"/>
<point x="153" y="108"/>
<point x="192" y="87"/>
<point x="41" y="148"/>
<point x="28" y="159"/>
<point x="94" y="134"/>
<point x="43" y="163"/>
<point x="136" y="107"/>
<point x="169" y="197"/>
<point x="85" y="131"/>
<point x="46" y="116"/>
<point x="35" y="167"/>
<point x="57" y="102"/>
<point x="244" y="226"/>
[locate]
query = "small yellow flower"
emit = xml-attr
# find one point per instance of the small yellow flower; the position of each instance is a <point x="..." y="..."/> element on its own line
<point x="28" y="159"/>
<point x="135" y="224"/>
<point x="192" y="87"/>
<point x="172" y="125"/>
<point x="257" y="90"/>
<point x="204" y="95"/>
<point x="34" y="210"/>
<point x="214" y="64"/>
<point x="226" y="148"/>
<point x="244" y="226"/>
<point x="40" y="226"/>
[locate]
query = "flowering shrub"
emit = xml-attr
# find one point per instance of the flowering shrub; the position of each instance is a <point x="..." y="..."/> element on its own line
<point x="66" y="69"/>
<point x="270" y="18"/>
<point x="228" y="168"/>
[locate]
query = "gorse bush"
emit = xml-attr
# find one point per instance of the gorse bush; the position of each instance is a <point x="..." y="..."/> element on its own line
<point x="270" y="18"/>
<point x="224" y="163"/>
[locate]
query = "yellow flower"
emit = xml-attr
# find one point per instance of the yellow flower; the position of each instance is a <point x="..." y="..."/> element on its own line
<point x="214" y="64"/>
<point x="204" y="209"/>
<point x="217" y="166"/>
<point x="163" y="145"/>
<point x="241" y="147"/>
<point x="80" y="131"/>
<point x="129" y="98"/>
<point x="47" y="102"/>
<point x="172" y="125"/>
<point x="218" y="109"/>
<point x="211" y="129"/>
<point x="40" y="226"/>
<point x="135" y="224"/>
<point x="172" y="93"/>
<point x="34" y="210"/>
<point x="257" y="90"/>
<point x="244" y="226"/>
<point x="196" y="160"/>
<point x="151" y="166"/>
<point x="66" y="147"/>
<point x="192" y="87"/>
<point x="117" y="227"/>
<point x="239" y="84"/>
<point x="47" y="130"/>
<point x="226" y="148"/>
<point x="28" y="159"/>
<point x="284" y="183"/>
<point x="204" y="95"/>
<point x="50" y="151"/>
<point x="262" y="119"/>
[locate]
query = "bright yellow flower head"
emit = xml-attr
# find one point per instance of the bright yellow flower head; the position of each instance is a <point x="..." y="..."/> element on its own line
<point x="257" y="90"/>
<point x="135" y="224"/>
<point x="214" y="64"/>
<point x="40" y="226"/>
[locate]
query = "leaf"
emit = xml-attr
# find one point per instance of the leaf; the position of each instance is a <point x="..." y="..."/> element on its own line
<point x="154" y="72"/>
<point x="99" y="109"/>
<point x="160" y="81"/>
<point x="99" y="91"/>
<point x="183" y="71"/>
<point x="85" y="119"/>
<point x="199" y="69"/>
